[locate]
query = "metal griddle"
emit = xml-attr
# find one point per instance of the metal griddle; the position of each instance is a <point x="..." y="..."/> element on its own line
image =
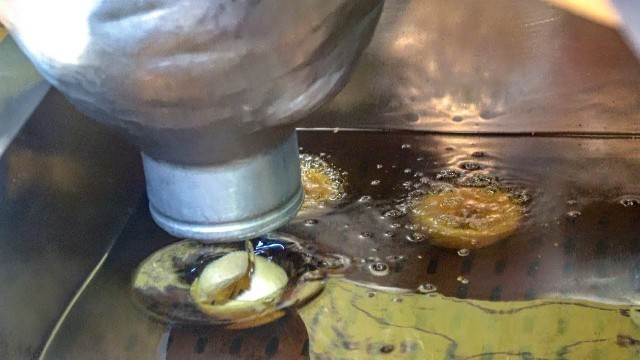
<point x="562" y="124"/>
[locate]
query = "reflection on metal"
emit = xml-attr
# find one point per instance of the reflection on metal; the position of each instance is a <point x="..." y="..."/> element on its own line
<point x="208" y="91"/>
<point x="492" y="67"/>
<point x="584" y="80"/>
<point x="67" y="188"/>
<point x="21" y="90"/>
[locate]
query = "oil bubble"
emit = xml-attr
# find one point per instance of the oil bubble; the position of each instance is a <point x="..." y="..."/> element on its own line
<point x="426" y="288"/>
<point x="392" y="213"/>
<point x="464" y="252"/>
<point x="574" y="214"/>
<point x="477" y="154"/>
<point x="416" y="237"/>
<point x="366" y="235"/>
<point x="462" y="279"/>
<point x="412" y="227"/>
<point x="365" y="198"/>
<point x="379" y="269"/>
<point x="448" y="174"/>
<point x="388" y="233"/>
<point x="407" y="171"/>
<point x="628" y="202"/>
<point x="480" y="180"/>
<point x="397" y="300"/>
<point x="406" y="146"/>
<point x="470" y="166"/>
<point x="371" y="294"/>
<point x="311" y="222"/>
<point x="379" y="166"/>
<point x="375" y="182"/>
<point x="457" y="119"/>
<point x="395" y="225"/>
<point x="395" y="258"/>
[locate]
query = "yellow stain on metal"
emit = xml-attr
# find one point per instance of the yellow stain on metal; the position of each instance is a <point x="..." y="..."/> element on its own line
<point x="351" y="321"/>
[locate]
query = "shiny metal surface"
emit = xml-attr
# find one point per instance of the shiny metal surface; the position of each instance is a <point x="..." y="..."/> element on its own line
<point x="590" y="88"/>
<point x="236" y="200"/>
<point x="152" y="66"/>
<point x="21" y="91"/>
<point x="67" y="187"/>
<point x="491" y="66"/>
<point x="194" y="82"/>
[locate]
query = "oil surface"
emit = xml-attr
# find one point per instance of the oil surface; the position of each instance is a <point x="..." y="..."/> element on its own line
<point x="577" y="241"/>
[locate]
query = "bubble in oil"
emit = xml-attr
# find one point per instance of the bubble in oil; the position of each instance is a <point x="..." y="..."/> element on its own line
<point x="448" y="175"/>
<point x="416" y="237"/>
<point x="629" y="202"/>
<point x="379" y="269"/>
<point x="379" y="166"/>
<point x="320" y="180"/>
<point x="574" y="214"/>
<point x="375" y="182"/>
<point x="371" y="294"/>
<point x="457" y="119"/>
<point x="311" y="222"/>
<point x="392" y="213"/>
<point x="480" y="180"/>
<point x="412" y="227"/>
<point x="407" y="171"/>
<point x="365" y="198"/>
<point x="478" y="154"/>
<point x="470" y="166"/>
<point x="463" y="280"/>
<point x="405" y="146"/>
<point x="464" y="252"/>
<point x="397" y="300"/>
<point x="366" y="235"/>
<point x="395" y="225"/>
<point x="388" y="233"/>
<point x="426" y="288"/>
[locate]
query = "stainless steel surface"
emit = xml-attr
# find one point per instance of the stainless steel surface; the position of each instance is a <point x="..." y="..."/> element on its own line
<point x="67" y="187"/>
<point x="589" y="89"/>
<point x="491" y="66"/>
<point x="237" y="200"/>
<point x="195" y="82"/>
<point x="21" y="91"/>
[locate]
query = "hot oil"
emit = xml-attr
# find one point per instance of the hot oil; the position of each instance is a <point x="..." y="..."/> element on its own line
<point x="573" y="260"/>
<point x="553" y="179"/>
